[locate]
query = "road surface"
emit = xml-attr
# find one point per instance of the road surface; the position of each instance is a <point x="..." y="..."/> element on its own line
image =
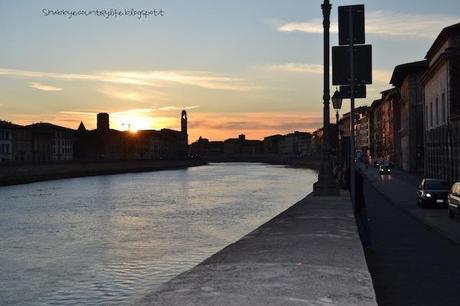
<point x="415" y="253"/>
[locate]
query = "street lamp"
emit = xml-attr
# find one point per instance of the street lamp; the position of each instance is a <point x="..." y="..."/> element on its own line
<point x="337" y="104"/>
<point x="337" y="101"/>
<point x="326" y="185"/>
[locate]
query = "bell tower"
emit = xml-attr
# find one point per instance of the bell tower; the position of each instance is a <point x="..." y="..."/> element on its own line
<point x="183" y="122"/>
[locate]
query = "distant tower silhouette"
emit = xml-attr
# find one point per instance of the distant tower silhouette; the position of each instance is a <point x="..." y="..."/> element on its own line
<point x="103" y="122"/>
<point x="81" y="127"/>
<point x="183" y="123"/>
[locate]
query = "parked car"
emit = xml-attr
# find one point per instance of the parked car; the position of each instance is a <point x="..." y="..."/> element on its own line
<point x="384" y="170"/>
<point x="432" y="192"/>
<point x="453" y="200"/>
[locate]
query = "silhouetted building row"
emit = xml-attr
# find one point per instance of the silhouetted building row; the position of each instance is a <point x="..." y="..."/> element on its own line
<point x="45" y="142"/>
<point x="232" y="146"/>
<point x="37" y="142"/>
<point x="295" y="144"/>
<point x="416" y="124"/>
<point x="108" y="144"/>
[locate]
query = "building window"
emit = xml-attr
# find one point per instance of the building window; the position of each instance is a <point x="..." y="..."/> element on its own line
<point x="444" y="109"/>
<point x="426" y="117"/>
<point x="4" y="135"/>
<point x="431" y="114"/>
<point x="5" y="148"/>
<point x="437" y="111"/>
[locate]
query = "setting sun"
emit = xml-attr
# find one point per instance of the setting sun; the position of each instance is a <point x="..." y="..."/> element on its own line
<point x="133" y="123"/>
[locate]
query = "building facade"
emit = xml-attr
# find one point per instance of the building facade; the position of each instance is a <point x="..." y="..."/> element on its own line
<point x="6" y="141"/>
<point x="362" y="133"/>
<point x="296" y="144"/>
<point x="361" y="127"/>
<point x="407" y="79"/>
<point x="51" y="142"/>
<point x="384" y="126"/>
<point x="374" y="129"/>
<point x="22" y="144"/>
<point x="318" y="137"/>
<point x="272" y="144"/>
<point x="441" y="84"/>
<point x="205" y="148"/>
<point x="243" y="146"/>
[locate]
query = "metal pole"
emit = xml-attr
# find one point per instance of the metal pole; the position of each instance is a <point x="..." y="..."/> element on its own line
<point x="326" y="93"/>
<point x="337" y="151"/>
<point x="352" y="111"/>
<point x="326" y="185"/>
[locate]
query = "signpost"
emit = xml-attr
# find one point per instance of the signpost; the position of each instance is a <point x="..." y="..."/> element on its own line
<point x="356" y="24"/>
<point x="360" y="91"/>
<point x="350" y="74"/>
<point x="341" y="61"/>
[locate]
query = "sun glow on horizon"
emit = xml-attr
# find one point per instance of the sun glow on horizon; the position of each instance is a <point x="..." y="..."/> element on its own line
<point x="135" y="120"/>
<point x="133" y="123"/>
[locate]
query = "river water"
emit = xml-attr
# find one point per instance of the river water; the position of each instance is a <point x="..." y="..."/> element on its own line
<point x="111" y="239"/>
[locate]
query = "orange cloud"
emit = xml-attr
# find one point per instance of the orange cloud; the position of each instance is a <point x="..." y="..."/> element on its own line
<point x="219" y="126"/>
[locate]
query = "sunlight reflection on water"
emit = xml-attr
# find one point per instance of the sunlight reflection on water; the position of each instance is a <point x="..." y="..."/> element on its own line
<point x="110" y="239"/>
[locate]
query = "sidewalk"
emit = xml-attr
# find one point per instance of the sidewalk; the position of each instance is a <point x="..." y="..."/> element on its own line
<point x="400" y="189"/>
<point x="308" y="255"/>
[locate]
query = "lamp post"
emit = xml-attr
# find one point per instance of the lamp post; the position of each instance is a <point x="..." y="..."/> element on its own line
<point x="337" y="104"/>
<point x="326" y="185"/>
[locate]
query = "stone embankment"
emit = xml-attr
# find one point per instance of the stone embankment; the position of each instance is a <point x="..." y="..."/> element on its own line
<point x="11" y="174"/>
<point x="310" y="254"/>
<point x="310" y="163"/>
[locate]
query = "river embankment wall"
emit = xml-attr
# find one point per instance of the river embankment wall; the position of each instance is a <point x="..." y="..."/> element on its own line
<point x="311" y="254"/>
<point x="13" y="174"/>
<point x="23" y="173"/>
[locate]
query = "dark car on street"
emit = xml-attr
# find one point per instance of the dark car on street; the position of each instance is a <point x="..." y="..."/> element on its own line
<point x="453" y="200"/>
<point x="385" y="170"/>
<point x="432" y="192"/>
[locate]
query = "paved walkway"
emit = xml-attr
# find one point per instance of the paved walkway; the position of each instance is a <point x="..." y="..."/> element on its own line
<point x="400" y="189"/>
<point x="309" y="255"/>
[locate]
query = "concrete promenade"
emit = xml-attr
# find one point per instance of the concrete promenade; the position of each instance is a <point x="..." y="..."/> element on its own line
<point x="308" y="255"/>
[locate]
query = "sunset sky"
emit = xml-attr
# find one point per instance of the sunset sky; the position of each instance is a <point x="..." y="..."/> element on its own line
<point x="239" y="66"/>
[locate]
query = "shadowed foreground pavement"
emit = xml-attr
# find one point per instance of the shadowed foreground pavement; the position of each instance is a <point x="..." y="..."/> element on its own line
<point x="310" y="254"/>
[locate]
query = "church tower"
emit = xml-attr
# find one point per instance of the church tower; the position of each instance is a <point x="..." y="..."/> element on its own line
<point x="183" y="125"/>
<point x="183" y="122"/>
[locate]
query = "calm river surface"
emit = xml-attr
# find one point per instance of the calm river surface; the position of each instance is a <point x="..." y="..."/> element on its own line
<point x="111" y="239"/>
